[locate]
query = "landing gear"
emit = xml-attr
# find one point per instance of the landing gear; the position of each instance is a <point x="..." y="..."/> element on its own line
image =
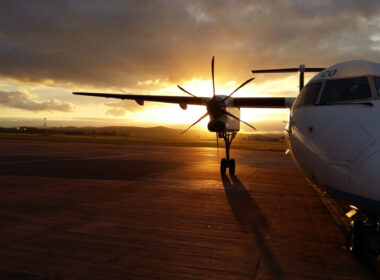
<point x="356" y="241"/>
<point x="227" y="162"/>
<point x="364" y="237"/>
<point x="230" y="164"/>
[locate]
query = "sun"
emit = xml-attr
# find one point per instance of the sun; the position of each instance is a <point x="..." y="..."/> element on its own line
<point x="172" y="114"/>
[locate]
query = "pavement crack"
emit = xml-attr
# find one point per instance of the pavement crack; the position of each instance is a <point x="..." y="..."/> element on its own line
<point x="267" y="236"/>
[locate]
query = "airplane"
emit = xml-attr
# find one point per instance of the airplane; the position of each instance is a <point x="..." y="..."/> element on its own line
<point x="332" y="135"/>
<point x="223" y="110"/>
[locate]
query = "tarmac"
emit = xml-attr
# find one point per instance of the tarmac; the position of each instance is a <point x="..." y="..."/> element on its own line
<point x="102" y="211"/>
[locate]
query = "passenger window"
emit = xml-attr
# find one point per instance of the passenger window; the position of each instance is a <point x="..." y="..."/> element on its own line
<point x="346" y="90"/>
<point x="308" y="95"/>
<point x="377" y="84"/>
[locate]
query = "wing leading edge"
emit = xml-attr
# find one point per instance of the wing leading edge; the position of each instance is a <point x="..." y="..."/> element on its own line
<point x="241" y="102"/>
<point x="154" y="98"/>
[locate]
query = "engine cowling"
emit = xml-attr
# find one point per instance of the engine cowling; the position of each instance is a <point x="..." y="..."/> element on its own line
<point x="216" y="126"/>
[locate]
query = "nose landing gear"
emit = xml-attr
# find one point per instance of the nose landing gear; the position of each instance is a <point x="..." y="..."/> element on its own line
<point x="364" y="236"/>
<point x="227" y="162"/>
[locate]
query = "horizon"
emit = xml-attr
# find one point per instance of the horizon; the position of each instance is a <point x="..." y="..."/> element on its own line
<point x="262" y="126"/>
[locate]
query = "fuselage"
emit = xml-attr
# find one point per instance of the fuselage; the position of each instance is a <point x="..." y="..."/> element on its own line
<point x="334" y="132"/>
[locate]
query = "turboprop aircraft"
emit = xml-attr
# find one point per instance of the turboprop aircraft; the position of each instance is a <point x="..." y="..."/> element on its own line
<point x="332" y="135"/>
<point x="223" y="110"/>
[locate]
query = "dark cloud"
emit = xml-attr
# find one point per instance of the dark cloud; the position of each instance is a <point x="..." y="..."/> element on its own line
<point x="119" y="43"/>
<point x="26" y="101"/>
<point x="120" y="108"/>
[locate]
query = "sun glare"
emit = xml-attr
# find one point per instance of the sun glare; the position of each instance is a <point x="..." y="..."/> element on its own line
<point x="204" y="88"/>
<point x="170" y="114"/>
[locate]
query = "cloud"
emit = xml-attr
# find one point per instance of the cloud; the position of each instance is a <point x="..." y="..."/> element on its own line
<point x="26" y="101"/>
<point x="120" y="108"/>
<point x="116" y="44"/>
<point x="115" y="112"/>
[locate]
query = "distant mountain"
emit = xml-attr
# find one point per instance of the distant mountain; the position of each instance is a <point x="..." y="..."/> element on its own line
<point x="261" y="125"/>
<point x="139" y="133"/>
<point x="157" y="132"/>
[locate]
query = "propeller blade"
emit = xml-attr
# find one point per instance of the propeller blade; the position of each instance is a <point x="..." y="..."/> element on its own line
<point x="201" y="118"/>
<point x="233" y="116"/>
<point x="212" y="72"/>
<point x="184" y="90"/>
<point x="242" y="85"/>
<point x="217" y="143"/>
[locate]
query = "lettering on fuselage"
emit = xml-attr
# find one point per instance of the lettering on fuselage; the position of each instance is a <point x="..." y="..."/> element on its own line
<point x="328" y="73"/>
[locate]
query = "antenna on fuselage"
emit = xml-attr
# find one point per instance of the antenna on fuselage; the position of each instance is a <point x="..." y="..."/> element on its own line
<point x="301" y="69"/>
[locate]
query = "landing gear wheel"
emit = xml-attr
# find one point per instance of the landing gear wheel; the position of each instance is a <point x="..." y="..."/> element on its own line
<point x="356" y="239"/>
<point x="227" y="162"/>
<point x="232" y="167"/>
<point x="223" y="166"/>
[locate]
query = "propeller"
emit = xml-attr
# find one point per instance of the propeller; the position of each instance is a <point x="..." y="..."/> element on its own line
<point x="201" y="118"/>
<point x="233" y="116"/>
<point x="184" y="90"/>
<point x="214" y="105"/>
<point x="217" y="143"/>
<point x="242" y="85"/>
<point x="213" y="80"/>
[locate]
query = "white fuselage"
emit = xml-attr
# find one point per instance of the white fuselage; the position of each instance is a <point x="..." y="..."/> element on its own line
<point x="337" y="144"/>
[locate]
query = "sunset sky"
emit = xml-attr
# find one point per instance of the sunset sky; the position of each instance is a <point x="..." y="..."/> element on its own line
<point x="50" y="48"/>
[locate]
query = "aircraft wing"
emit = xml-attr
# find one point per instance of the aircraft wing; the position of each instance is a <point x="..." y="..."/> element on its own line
<point x="155" y="98"/>
<point x="264" y="102"/>
<point x="241" y="102"/>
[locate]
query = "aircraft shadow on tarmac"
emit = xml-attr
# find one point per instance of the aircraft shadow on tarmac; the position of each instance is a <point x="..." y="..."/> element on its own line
<point x="250" y="218"/>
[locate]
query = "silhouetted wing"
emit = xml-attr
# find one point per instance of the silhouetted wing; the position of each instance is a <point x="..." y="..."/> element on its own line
<point x="263" y="102"/>
<point x="155" y="98"/>
<point x="287" y="70"/>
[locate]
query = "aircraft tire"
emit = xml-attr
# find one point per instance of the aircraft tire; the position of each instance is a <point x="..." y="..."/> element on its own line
<point x="356" y="242"/>
<point x="232" y="167"/>
<point x="223" y="166"/>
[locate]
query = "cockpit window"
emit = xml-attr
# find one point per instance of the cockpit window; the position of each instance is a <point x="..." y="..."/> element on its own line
<point x="346" y="90"/>
<point x="377" y="84"/>
<point x="308" y="95"/>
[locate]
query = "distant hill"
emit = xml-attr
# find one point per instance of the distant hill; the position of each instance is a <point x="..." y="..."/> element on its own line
<point x="158" y="132"/>
<point x="157" y="135"/>
<point x="144" y="133"/>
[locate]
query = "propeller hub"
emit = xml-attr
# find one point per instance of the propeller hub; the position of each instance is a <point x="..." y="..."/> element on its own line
<point x="215" y="107"/>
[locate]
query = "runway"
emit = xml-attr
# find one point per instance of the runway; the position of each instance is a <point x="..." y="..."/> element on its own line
<point x="101" y="211"/>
